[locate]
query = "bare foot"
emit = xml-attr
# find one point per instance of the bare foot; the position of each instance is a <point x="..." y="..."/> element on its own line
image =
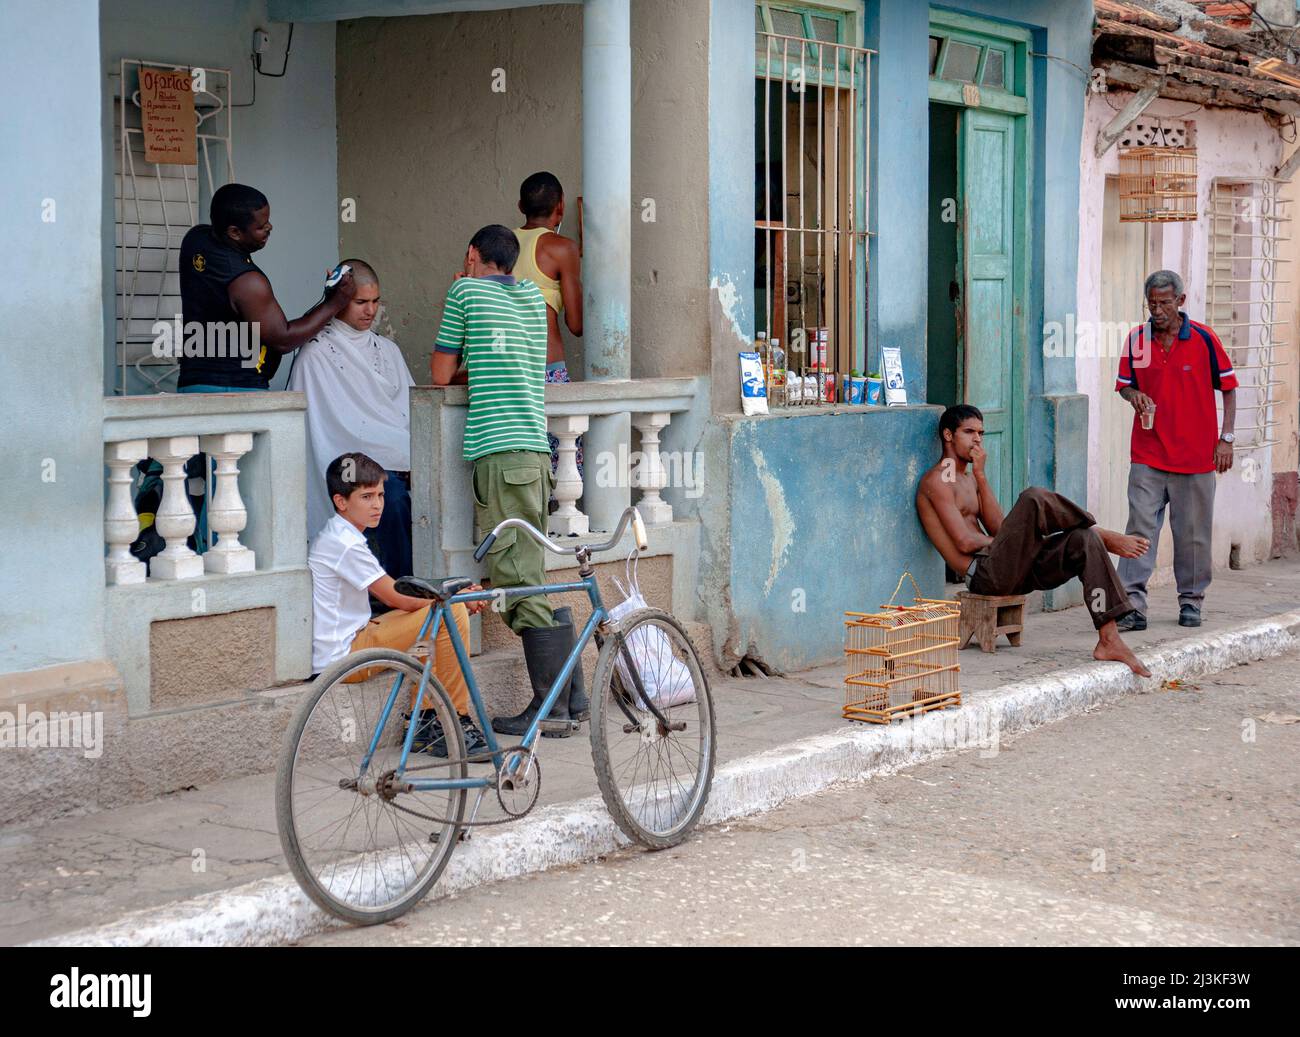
<point x="1124" y="545"/>
<point x="1111" y="648"/>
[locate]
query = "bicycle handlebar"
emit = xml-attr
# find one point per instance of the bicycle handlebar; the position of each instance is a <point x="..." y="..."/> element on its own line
<point x="630" y="514"/>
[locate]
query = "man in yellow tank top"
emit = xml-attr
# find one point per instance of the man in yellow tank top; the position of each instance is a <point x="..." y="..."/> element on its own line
<point x="551" y="262"/>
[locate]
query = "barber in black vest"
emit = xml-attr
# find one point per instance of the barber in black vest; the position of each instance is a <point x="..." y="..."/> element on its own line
<point x="235" y="331"/>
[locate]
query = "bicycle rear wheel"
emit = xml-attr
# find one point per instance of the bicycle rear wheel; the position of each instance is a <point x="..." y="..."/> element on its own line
<point x="654" y="778"/>
<point x="348" y="835"/>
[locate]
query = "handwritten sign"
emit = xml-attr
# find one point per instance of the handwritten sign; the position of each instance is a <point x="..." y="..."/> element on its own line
<point x="167" y="113"/>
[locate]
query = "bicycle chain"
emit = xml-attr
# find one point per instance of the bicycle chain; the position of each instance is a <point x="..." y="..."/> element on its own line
<point x="448" y="821"/>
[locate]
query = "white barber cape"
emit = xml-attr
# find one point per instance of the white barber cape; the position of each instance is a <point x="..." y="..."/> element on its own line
<point x="356" y="384"/>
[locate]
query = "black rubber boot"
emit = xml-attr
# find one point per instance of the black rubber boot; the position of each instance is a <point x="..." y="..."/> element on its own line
<point x="579" y="704"/>
<point x="545" y="649"/>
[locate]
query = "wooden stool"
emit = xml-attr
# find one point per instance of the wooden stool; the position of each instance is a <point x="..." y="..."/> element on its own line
<point x="984" y="617"/>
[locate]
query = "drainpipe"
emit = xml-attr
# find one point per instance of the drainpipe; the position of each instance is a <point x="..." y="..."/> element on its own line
<point x="607" y="235"/>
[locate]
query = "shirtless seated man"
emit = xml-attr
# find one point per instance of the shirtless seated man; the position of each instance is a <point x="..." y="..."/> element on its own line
<point x="1043" y="542"/>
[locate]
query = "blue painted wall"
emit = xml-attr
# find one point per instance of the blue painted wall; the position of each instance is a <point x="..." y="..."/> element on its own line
<point x="285" y="145"/>
<point x="51" y="508"/>
<point x="824" y="520"/>
<point x="824" y="504"/>
<point x="898" y="31"/>
<point x="731" y="153"/>
<point x="60" y="273"/>
<point x="1057" y="415"/>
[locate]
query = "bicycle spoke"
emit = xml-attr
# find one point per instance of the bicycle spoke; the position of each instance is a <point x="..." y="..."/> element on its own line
<point x="654" y="780"/>
<point x="364" y="857"/>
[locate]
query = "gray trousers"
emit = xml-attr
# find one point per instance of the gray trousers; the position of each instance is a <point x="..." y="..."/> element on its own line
<point x="1190" y="500"/>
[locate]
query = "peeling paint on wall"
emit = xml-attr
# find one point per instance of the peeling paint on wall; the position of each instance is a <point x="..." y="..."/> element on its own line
<point x="728" y="296"/>
<point x="783" y="525"/>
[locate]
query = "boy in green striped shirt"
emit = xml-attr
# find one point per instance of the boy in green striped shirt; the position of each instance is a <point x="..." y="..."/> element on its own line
<point x="497" y="326"/>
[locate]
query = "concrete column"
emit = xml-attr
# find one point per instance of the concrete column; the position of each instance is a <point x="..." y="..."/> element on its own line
<point x="607" y="243"/>
<point x="607" y="188"/>
<point x="606" y="460"/>
<point x="52" y="508"/>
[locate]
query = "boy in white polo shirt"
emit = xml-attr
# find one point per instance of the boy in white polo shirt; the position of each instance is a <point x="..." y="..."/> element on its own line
<point x="344" y="572"/>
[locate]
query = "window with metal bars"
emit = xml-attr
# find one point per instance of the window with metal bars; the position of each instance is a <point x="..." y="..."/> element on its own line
<point x="1247" y="297"/>
<point x="812" y="94"/>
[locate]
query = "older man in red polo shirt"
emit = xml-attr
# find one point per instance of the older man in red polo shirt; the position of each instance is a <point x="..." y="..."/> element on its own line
<point x="1169" y="372"/>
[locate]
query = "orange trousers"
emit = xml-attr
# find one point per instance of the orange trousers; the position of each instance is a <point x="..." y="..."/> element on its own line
<point x="399" y="630"/>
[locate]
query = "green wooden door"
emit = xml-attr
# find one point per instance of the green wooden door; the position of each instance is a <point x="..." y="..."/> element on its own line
<point x="987" y="263"/>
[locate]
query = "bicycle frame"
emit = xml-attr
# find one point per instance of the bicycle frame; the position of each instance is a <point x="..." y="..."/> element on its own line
<point x="435" y="619"/>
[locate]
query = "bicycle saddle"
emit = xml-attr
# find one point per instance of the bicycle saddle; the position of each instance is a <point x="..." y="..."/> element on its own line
<point x="438" y="590"/>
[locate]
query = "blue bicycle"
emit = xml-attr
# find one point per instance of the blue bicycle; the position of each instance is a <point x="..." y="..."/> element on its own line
<point x="367" y="826"/>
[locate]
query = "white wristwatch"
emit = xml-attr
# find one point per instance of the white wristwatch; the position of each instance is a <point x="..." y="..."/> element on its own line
<point x="1228" y="437"/>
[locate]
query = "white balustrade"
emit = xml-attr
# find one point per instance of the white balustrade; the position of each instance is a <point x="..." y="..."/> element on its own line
<point x="607" y="471"/>
<point x="649" y="476"/>
<point x="256" y="525"/>
<point x="568" y="520"/>
<point x="226" y="513"/>
<point x="646" y="473"/>
<point x="603" y="415"/>
<point x="121" y="524"/>
<point x="175" y="519"/>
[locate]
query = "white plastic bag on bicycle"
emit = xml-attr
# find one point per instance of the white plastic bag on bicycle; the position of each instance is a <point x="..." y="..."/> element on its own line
<point x="666" y="679"/>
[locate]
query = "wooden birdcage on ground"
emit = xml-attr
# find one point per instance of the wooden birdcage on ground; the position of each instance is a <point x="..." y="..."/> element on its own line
<point x="901" y="661"/>
<point x="1157" y="184"/>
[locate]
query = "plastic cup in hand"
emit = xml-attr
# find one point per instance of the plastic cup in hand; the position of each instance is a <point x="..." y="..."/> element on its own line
<point x="1149" y="418"/>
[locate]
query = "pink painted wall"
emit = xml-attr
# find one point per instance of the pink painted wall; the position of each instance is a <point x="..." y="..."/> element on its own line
<point x="1229" y="144"/>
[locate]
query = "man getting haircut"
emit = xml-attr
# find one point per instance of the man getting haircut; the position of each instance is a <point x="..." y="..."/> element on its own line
<point x="358" y="399"/>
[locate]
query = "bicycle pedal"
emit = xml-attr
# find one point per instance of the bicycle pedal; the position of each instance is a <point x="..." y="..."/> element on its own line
<point x="559" y="728"/>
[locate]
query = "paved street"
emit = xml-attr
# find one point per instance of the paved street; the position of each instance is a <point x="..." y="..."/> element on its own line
<point x="65" y="875"/>
<point x="1170" y="818"/>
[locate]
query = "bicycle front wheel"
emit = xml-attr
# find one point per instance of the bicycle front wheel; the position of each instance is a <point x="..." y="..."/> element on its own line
<point x="654" y="776"/>
<point x="361" y="848"/>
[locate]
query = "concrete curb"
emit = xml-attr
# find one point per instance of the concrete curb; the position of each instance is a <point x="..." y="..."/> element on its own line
<point x="272" y="911"/>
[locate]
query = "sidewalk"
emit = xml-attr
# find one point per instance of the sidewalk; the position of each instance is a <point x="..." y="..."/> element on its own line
<point x="778" y="738"/>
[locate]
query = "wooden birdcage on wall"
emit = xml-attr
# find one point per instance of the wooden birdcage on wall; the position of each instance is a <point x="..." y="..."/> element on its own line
<point x="901" y="661"/>
<point x="1157" y="184"/>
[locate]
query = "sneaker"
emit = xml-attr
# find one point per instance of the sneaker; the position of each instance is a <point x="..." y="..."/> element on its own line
<point x="428" y="731"/>
<point x="1133" y="621"/>
<point x="474" y="741"/>
<point x="431" y="739"/>
<point x="1189" y="616"/>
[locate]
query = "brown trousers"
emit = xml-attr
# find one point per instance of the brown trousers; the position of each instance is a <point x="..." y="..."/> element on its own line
<point x="1045" y="541"/>
<point x="398" y="629"/>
